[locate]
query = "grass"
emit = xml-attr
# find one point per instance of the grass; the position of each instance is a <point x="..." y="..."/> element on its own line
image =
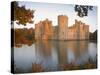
<point x="89" y="65"/>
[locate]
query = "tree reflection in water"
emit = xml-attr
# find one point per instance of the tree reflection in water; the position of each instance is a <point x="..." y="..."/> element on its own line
<point x="55" y="56"/>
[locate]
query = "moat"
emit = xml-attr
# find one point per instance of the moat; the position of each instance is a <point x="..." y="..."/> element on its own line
<point x="55" y="56"/>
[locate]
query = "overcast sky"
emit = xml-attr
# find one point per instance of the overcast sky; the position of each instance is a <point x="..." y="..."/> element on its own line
<point x="51" y="11"/>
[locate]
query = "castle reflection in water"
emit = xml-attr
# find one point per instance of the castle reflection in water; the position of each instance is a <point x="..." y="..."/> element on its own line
<point x="65" y="52"/>
<point x="52" y="54"/>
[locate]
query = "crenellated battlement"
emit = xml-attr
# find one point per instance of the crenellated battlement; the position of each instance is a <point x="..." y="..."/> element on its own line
<point x="46" y="30"/>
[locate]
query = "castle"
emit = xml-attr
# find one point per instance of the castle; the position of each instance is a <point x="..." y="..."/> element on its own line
<point x="46" y="30"/>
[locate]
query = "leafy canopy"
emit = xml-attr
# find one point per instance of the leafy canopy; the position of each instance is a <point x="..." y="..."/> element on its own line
<point x="20" y="14"/>
<point x="82" y="10"/>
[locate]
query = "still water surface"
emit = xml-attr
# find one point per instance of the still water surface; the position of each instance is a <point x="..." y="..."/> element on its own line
<point x="51" y="54"/>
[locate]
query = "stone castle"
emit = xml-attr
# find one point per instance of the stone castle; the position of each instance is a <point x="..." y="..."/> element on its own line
<point x="46" y="30"/>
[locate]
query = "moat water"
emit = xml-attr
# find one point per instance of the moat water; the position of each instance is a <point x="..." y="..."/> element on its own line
<point x="52" y="54"/>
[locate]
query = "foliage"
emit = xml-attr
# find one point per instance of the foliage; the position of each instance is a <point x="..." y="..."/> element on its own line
<point x="82" y="10"/>
<point x="23" y="36"/>
<point x="20" y="14"/>
<point x="93" y="36"/>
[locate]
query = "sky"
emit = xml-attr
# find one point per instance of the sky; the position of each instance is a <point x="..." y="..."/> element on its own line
<point x="52" y="10"/>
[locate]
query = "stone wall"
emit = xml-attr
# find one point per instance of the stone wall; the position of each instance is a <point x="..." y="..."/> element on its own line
<point x="78" y="31"/>
<point x="62" y="27"/>
<point x="45" y="30"/>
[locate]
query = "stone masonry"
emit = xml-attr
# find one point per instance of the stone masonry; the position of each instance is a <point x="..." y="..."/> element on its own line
<point x="45" y="30"/>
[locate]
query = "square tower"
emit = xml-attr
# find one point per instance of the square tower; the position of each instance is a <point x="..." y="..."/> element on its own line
<point x="62" y="27"/>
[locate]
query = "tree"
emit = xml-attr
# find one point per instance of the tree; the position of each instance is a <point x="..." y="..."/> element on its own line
<point x="82" y="10"/>
<point x="20" y="14"/>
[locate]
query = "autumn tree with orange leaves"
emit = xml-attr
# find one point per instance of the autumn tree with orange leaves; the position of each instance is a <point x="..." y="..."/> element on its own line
<point x="20" y="14"/>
